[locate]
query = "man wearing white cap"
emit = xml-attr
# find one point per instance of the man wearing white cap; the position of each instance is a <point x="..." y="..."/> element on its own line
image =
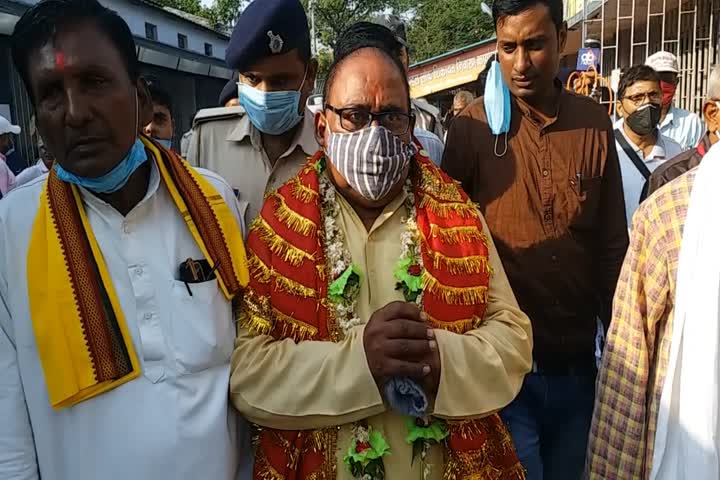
<point x="7" y="178"/>
<point x="684" y="127"/>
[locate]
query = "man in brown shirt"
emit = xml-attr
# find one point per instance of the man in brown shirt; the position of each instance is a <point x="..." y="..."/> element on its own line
<point x="554" y="204"/>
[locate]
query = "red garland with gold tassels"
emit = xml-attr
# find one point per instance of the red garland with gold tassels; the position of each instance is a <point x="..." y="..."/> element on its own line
<point x="287" y="298"/>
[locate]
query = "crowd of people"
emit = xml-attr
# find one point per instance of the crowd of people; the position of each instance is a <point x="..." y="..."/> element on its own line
<point x="532" y="293"/>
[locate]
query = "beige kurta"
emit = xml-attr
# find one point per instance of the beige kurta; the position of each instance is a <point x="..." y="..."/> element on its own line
<point x="284" y="385"/>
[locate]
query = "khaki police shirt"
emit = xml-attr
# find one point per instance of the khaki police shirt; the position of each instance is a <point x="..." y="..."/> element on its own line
<point x="231" y="146"/>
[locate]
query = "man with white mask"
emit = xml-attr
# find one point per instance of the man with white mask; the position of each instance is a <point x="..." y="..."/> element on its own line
<point x="263" y="142"/>
<point x="379" y="335"/>
<point x="117" y="273"/>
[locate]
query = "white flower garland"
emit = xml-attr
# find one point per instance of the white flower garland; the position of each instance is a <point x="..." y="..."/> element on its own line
<point x="337" y="255"/>
<point x="410" y="238"/>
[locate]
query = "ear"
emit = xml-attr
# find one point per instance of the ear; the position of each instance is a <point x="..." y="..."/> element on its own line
<point x="562" y="36"/>
<point x="320" y="128"/>
<point x="145" y="105"/>
<point x="711" y="113"/>
<point x="619" y="108"/>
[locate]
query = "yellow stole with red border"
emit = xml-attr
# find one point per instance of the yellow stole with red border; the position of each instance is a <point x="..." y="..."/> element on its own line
<point x="287" y="297"/>
<point x="83" y="340"/>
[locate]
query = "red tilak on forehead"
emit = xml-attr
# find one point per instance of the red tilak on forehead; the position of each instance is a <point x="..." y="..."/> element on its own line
<point x="59" y="60"/>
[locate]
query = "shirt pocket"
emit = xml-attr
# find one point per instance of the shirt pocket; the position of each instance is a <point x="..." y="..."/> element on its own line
<point x="202" y="331"/>
<point x="584" y="201"/>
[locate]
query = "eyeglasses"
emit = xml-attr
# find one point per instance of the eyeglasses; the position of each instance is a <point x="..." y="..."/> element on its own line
<point x="638" y="98"/>
<point x="354" y="119"/>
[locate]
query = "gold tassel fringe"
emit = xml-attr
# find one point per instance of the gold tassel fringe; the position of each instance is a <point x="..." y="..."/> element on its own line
<point x="278" y="245"/>
<point x="434" y="185"/>
<point x="263" y="469"/>
<point x="292" y="219"/>
<point x="292" y="327"/>
<point x="455" y="235"/>
<point x="264" y="274"/>
<point x="461" y="265"/>
<point x="258" y="269"/>
<point x="257" y="324"/>
<point x="454" y="295"/>
<point x="457" y="326"/>
<point x="444" y="209"/>
<point x="284" y="284"/>
<point x="302" y="192"/>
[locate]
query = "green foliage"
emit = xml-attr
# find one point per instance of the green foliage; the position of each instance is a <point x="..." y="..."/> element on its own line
<point x="439" y="26"/>
<point x="225" y="12"/>
<point x="334" y="16"/>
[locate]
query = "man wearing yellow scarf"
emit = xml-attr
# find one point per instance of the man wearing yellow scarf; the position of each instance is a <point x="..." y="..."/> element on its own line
<point x="118" y="271"/>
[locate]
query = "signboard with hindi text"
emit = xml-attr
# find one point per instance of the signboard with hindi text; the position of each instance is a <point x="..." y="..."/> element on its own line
<point x="449" y="71"/>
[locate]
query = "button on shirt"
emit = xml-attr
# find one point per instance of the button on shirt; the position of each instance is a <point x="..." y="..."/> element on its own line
<point x="633" y="180"/>
<point x="233" y="148"/>
<point x="554" y="205"/>
<point x="685" y="128"/>
<point x="174" y="421"/>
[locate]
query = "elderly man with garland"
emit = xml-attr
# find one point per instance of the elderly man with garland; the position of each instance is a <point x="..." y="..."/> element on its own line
<point x="379" y="335"/>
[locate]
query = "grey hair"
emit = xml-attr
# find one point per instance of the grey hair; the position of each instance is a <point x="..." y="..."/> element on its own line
<point x="465" y="96"/>
<point x="713" y="90"/>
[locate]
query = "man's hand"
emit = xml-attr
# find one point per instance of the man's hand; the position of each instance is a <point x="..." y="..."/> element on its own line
<point x="398" y="343"/>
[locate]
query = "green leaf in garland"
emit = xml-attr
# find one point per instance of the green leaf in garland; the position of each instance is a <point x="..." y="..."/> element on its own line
<point x="436" y="431"/>
<point x="410" y="284"/>
<point x="320" y="165"/>
<point x="344" y="286"/>
<point x="378" y="448"/>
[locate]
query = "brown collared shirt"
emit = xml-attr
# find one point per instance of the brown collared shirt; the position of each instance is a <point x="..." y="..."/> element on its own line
<point x="554" y="204"/>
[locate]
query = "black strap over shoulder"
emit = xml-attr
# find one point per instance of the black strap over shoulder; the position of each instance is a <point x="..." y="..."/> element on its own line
<point x="637" y="161"/>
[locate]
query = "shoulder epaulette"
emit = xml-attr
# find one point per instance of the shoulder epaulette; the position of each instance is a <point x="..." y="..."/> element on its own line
<point x="220" y="113"/>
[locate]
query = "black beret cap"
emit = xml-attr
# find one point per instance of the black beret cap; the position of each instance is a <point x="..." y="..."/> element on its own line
<point x="266" y="28"/>
<point x="229" y="91"/>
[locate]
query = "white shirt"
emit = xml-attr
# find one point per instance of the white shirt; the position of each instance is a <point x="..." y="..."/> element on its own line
<point x="684" y="127"/>
<point x="634" y="181"/>
<point x="30" y="173"/>
<point x="172" y="423"/>
<point x="431" y="143"/>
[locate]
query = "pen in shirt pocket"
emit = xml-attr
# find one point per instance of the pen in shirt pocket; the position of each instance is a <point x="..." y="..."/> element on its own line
<point x="579" y="177"/>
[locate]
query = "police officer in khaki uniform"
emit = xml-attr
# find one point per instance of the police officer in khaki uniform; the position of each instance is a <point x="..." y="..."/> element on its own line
<point x="262" y="143"/>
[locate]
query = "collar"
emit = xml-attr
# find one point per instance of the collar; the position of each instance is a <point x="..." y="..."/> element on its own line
<point x="669" y="118"/>
<point x="387" y="213"/>
<point x="41" y="165"/>
<point x="536" y="116"/>
<point x="657" y="152"/>
<point x="304" y="137"/>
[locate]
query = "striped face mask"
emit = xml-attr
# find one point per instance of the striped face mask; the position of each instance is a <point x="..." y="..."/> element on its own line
<point x="372" y="160"/>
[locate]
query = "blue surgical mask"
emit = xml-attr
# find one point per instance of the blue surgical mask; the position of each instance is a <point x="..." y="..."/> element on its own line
<point x="273" y="113"/>
<point x="165" y="143"/>
<point x="497" y="104"/>
<point x="115" y="179"/>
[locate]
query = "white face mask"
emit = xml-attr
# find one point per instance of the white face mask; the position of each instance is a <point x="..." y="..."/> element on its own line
<point x="372" y="160"/>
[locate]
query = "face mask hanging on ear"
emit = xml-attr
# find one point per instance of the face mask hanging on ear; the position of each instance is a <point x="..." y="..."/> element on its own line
<point x="497" y="105"/>
<point x="118" y="177"/>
